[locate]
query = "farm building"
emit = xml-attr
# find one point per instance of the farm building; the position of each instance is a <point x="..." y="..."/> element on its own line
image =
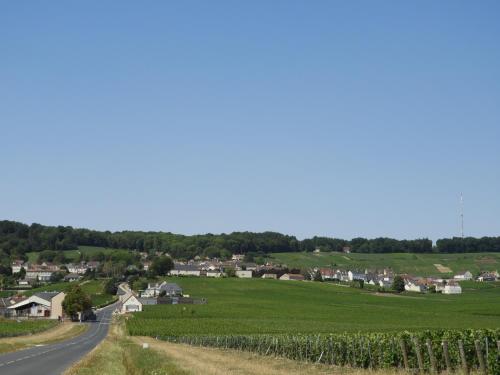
<point x="292" y="276"/>
<point x="40" y="305"/>
<point x="452" y="288"/>
<point x="244" y="274"/>
<point x="467" y="275"/>
<point x="131" y="304"/>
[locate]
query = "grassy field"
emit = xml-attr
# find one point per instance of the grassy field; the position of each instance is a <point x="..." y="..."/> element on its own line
<point x="10" y="328"/>
<point x="50" y="334"/>
<point x="73" y="255"/>
<point x="118" y="355"/>
<point x="417" y="264"/>
<point x="254" y="306"/>
<point x="94" y="287"/>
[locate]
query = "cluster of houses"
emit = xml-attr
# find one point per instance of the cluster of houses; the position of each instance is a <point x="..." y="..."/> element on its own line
<point x="155" y="294"/>
<point x="385" y="279"/>
<point x="218" y="268"/>
<point x="44" y="272"/>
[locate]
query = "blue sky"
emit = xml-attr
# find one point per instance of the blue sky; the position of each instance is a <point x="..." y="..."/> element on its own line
<point x="353" y="118"/>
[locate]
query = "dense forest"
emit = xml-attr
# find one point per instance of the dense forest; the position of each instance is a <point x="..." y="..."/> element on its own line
<point x="16" y="239"/>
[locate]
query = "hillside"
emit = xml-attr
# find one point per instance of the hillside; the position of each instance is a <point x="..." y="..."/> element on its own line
<point x="416" y="264"/>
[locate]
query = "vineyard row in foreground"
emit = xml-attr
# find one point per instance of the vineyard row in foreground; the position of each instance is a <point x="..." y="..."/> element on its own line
<point x="428" y="350"/>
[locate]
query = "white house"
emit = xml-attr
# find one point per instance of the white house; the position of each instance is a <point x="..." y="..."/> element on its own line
<point x="17" y="265"/>
<point x="185" y="270"/>
<point x="215" y="273"/>
<point x="79" y="269"/>
<point x="413" y="286"/>
<point x="452" y="288"/>
<point x="238" y="257"/>
<point x="356" y="276"/>
<point x="467" y="275"/>
<point x="131" y="304"/>
<point x="244" y="274"/>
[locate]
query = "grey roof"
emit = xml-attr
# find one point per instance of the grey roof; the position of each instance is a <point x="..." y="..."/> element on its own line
<point x="148" y="301"/>
<point x="185" y="267"/>
<point x="171" y="287"/>
<point x="47" y="296"/>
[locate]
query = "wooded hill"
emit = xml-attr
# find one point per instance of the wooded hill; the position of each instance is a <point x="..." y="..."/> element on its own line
<point x="16" y="239"/>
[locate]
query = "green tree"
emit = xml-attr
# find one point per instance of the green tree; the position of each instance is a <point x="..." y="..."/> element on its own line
<point x="76" y="301"/>
<point x="398" y="284"/>
<point x="317" y="276"/>
<point x="111" y="286"/>
<point x="161" y="266"/>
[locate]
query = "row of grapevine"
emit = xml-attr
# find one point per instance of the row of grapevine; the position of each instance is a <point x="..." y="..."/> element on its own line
<point x="368" y="350"/>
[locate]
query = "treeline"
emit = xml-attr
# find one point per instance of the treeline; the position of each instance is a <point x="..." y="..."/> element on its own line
<point x="16" y="239"/>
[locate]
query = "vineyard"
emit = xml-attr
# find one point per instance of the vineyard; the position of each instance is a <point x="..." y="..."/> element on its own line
<point x="9" y="327"/>
<point x="329" y="324"/>
<point x="431" y="351"/>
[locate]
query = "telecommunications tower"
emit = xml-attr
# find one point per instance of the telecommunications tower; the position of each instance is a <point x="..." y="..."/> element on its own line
<point x="462" y="215"/>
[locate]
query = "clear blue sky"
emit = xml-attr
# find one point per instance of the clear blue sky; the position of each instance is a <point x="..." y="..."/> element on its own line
<point x="338" y="118"/>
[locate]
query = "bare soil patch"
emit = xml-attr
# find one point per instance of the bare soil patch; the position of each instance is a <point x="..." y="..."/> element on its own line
<point x="442" y="268"/>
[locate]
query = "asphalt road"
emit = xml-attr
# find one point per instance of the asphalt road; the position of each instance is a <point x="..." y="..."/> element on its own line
<point x="53" y="359"/>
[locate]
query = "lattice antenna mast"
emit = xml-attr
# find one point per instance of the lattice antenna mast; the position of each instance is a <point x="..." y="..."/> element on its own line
<point x="462" y="215"/>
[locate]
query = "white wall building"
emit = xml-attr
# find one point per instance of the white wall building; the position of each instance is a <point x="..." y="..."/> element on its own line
<point x="244" y="274"/>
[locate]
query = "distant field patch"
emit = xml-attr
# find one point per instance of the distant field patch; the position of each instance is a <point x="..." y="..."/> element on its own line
<point x="486" y="260"/>
<point x="442" y="268"/>
<point x="343" y="256"/>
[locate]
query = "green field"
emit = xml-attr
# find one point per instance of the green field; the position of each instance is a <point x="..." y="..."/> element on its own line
<point x="95" y="288"/>
<point x="10" y="327"/>
<point x="255" y="306"/>
<point x="417" y="264"/>
<point x="73" y="255"/>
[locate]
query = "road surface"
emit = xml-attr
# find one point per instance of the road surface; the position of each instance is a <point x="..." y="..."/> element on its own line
<point x="53" y="359"/>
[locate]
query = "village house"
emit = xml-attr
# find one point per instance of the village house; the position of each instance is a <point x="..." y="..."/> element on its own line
<point x="164" y="288"/>
<point x="41" y="272"/>
<point x="238" y="257"/>
<point x="185" y="270"/>
<point x="214" y="273"/>
<point x="78" y="269"/>
<point x="131" y="304"/>
<point x="70" y="277"/>
<point x="452" y="288"/>
<point x="414" y="286"/>
<point x="353" y="275"/>
<point x="39" y="305"/>
<point x="292" y="276"/>
<point x="328" y="274"/>
<point x="467" y="275"/>
<point x="487" y="276"/>
<point x="383" y="283"/>
<point x="244" y="274"/>
<point x="17" y="265"/>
